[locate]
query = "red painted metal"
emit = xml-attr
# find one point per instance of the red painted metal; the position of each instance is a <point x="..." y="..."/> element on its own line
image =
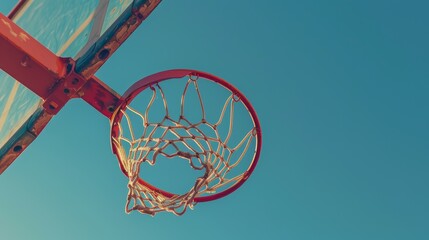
<point x="146" y="82"/>
<point x="53" y="78"/>
<point x="50" y="77"/>
<point x="100" y="96"/>
<point x="25" y="59"/>
<point x="64" y="88"/>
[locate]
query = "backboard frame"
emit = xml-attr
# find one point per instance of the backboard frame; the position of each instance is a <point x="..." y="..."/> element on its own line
<point x="84" y="67"/>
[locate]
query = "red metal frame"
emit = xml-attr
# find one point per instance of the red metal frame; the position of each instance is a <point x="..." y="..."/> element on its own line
<point x="25" y="59"/>
<point x="146" y="82"/>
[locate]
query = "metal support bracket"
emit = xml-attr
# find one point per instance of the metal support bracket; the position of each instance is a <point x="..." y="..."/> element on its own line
<point x="64" y="89"/>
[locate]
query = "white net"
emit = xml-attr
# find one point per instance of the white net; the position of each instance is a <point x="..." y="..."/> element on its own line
<point x="211" y="148"/>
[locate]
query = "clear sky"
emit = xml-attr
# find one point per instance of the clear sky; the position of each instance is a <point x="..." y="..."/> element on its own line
<point x="341" y="88"/>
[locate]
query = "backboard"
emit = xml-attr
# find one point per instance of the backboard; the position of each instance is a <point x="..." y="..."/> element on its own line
<point x="79" y="29"/>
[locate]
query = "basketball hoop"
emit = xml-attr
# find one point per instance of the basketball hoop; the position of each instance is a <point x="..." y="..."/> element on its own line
<point x="219" y="138"/>
<point x="219" y="154"/>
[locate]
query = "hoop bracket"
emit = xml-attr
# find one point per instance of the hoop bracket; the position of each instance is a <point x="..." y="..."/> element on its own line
<point x="64" y="89"/>
<point x="92" y="90"/>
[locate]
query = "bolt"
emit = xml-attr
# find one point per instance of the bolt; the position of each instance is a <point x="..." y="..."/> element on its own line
<point x="111" y="108"/>
<point x="17" y="148"/>
<point x="53" y="105"/>
<point x="133" y="20"/>
<point x="104" y="54"/>
<point x="24" y="61"/>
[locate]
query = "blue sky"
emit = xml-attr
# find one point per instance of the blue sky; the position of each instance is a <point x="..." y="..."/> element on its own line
<point x="341" y="89"/>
